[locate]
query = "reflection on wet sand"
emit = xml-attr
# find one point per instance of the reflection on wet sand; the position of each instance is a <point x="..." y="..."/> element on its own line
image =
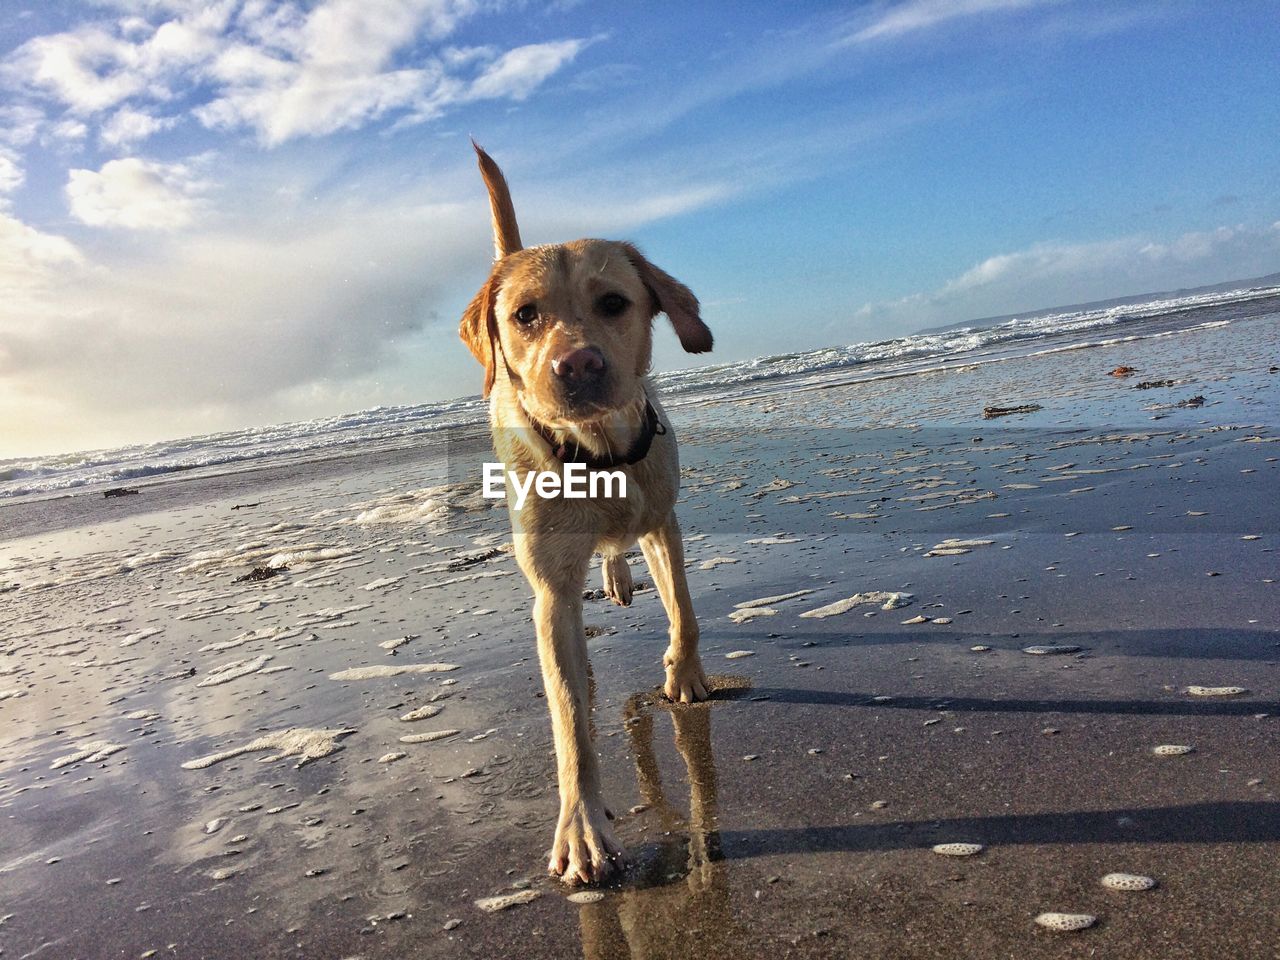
<point x="679" y="885"/>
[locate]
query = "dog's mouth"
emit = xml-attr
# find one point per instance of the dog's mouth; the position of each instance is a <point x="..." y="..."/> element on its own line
<point x="590" y="405"/>
<point x="587" y="402"/>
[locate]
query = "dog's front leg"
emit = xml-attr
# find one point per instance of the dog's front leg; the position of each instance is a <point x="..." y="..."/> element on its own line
<point x="584" y="850"/>
<point x="664" y="550"/>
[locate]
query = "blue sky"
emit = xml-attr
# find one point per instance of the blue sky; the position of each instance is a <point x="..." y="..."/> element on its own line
<point x="236" y="212"/>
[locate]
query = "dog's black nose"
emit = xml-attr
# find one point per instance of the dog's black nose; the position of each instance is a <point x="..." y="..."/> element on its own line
<point x="581" y="366"/>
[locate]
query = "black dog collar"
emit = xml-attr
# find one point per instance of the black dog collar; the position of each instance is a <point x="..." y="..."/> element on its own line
<point x="638" y="450"/>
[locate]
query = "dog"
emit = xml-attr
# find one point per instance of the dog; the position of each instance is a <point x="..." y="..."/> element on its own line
<point x="564" y="332"/>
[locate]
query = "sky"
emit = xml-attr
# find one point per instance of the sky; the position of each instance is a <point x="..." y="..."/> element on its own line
<point x="240" y="212"/>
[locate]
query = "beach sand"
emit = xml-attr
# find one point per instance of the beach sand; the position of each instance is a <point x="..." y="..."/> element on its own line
<point x="200" y="767"/>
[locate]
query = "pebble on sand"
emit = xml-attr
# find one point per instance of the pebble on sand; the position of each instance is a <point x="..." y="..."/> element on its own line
<point x="1172" y="750"/>
<point x="421" y="713"/>
<point x="739" y="654"/>
<point x="392" y="757"/>
<point x="503" y="901"/>
<point x="1127" y="881"/>
<point x="1197" y="691"/>
<point x="585" y="896"/>
<point x="1066" y="922"/>
<point x="431" y="737"/>
<point x="957" y="849"/>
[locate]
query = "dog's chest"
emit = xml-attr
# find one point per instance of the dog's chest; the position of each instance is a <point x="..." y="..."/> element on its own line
<point x="618" y="508"/>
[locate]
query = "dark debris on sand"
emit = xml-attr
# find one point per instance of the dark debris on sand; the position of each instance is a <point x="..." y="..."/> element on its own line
<point x="990" y="413"/>
<point x="258" y="574"/>
<point x="471" y="559"/>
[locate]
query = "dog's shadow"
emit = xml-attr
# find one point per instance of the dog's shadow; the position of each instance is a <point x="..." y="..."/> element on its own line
<point x="680" y="883"/>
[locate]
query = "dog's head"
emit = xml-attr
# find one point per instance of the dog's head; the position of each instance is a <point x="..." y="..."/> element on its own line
<point x="571" y="322"/>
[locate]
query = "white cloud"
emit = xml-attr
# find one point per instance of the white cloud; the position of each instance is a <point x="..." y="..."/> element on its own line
<point x="135" y="194"/>
<point x="517" y="73"/>
<point x="276" y="68"/>
<point x="366" y="32"/>
<point x="30" y="263"/>
<point x="100" y="65"/>
<point x="19" y="124"/>
<point x="334" y="69"/>
<point x="1060" y="274"/>
<point x="633" y="207"/>
<point x="914" y="15"/>
<point x="128" y="126"/>
<point x="1041" y="262"/>
<point x="264" y="323"/>
<point x="67" y="131"/>
<point x="282" y="100"/>
<point x="35" y="269"/>
<point x="30" y="258"/>
<point x="87" y="69"/>
<point x="285" y="307"/>
<point x="11" y="174"/>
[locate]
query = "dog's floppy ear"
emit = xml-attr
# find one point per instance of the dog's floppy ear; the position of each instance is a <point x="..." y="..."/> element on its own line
<point x="673" y="298"/>
<point x="479" y="329"/>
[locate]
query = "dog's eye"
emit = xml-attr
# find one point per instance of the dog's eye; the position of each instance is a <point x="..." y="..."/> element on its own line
<point x="612" y="304"/>
<point x="527" y="314"/>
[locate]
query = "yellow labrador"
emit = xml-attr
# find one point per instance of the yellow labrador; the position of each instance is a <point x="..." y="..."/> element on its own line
<point x="564" y="333"/>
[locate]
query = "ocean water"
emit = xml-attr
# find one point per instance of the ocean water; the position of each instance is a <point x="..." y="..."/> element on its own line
<point x="391" y="425"/>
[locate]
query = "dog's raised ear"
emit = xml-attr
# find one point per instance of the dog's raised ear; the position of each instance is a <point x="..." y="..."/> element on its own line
<point x="673" y="298"/>
<point x="506" y="232"/>
<point x="479" y="329"/>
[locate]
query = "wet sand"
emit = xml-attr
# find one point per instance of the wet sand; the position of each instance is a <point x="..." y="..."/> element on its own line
<point x="793" y="815"/>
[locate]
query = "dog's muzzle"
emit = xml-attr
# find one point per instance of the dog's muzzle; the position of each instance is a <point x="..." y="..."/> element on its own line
<point x="583" y="376"/>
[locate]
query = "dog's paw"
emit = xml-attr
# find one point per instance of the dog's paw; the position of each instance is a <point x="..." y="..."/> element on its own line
<point x="617" y="579"/>
<point x="585" y="850"/>
<point x="686" y="683"/>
